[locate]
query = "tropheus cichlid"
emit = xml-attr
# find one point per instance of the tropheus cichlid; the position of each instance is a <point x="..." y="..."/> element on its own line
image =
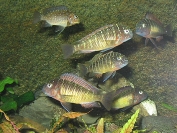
<point x="127" y="96"/>
<point x="105" y="64"/>
<point x="59" y="16"/>
<point x="70" y="88"/>
<point x="104" y="38"/>
<point x="151" y="27"/>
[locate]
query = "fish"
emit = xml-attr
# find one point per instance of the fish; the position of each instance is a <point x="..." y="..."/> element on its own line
<point x="150" y="27"/>
<point x="104" y="64"/>
<point x="59" y="16"/>
<point x="127" y="97"/>
<point x="103" y="39"/>
<point x="70" y="88"/>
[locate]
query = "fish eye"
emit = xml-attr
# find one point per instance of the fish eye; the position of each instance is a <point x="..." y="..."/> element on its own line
<point x="119" y="58"/>
<point x="75" y="16"/>
<point x="49" y="85"/>
<point x="140" y="92"/>
<point x="126" y="31"/>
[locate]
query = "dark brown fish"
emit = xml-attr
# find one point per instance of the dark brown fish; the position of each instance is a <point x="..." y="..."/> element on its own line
<point x="59" y="16"/>
<point x="127" y="96"/>
<point x="73" y="89"/>
<point x="151" y="27"/>
<point x="104" y="38"/>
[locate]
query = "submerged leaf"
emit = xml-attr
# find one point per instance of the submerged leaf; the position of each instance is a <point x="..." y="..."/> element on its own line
<point x="169" y="107"/>
<point x="70" y="115"/>
<point x="7" y="80"/>
<point x="25" y="98"/>
<point x="100" y="126"/>
<point x="127" y="128"/>
<point x="73" y="115"/>
<point x="8" y="129"/>
<point x="9" y="105"/>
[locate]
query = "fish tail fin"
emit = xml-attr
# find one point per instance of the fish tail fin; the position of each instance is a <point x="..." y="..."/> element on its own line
<point x="68" y="50"/>
<point x="107" y="100"/>
<point x="36" y="17"/>
<point x="169" y="30"/>
<point x="83" y="69"/>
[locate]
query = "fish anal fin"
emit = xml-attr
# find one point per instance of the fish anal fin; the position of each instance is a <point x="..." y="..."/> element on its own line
<point x="153" y="42"/>
<point x="159" y="38"/>
<point x="59" y="28"/>
<point x="46" y="24"/>
<point x="91" y="105"/>
<point x="66" y="106"/>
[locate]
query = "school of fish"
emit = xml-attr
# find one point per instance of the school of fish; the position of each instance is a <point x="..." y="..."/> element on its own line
<point x="70" y="88"/>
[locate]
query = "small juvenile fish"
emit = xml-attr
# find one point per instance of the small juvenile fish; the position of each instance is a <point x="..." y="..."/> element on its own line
<point x="151" y="27"/>
<point x="106" y="64"/>
<point x="59" y="16"/>
<point x="126" y="97"/>
<point x="104" y="38"/>
<point x="73" y="89"/>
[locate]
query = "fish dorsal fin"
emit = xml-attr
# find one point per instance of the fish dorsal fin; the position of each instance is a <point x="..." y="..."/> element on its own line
<point x="80" y="81"/>
<point x="153" y="18"/>
<point x="96" y="57"/>
<point x="51" y="9"/>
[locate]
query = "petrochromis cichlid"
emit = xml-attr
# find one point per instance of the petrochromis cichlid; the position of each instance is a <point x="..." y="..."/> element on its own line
<point x="104" y="38"/>
<point x="70" y="88"/>
<point x="127" y="96"/>
<point x="59" y="16"/>
<point x="150" y="27"/>
<point x="105" y="64"/>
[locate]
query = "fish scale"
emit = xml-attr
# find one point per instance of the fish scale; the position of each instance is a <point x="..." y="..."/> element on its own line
<point x="103" y="63"/>
<point x="74" y="92"/>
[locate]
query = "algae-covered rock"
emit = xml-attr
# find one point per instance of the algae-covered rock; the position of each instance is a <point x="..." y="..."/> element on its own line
<point x="160" y="124"/>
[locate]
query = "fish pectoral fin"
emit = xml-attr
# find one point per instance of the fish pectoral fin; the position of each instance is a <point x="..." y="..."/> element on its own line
<point x="107" y="75"/>
<point x="67" y="106"/>
<point x="59" y="28"/>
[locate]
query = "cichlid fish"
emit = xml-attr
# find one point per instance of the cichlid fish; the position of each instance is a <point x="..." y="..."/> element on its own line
<point x="59" y="16"/>
<point x="73" y="89"/>
<point x="104" y="38"/>
<point x="106" y="64"/>
<point x="126" y="97"/>
<point x="151" y="27"/>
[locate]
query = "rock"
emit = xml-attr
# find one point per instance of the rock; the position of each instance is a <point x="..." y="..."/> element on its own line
<point x="147" y="108"/>
<point x="160" y="124"/>
<point x="42" y="110"/>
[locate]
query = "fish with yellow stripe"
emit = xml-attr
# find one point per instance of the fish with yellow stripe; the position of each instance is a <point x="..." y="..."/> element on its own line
<point x="70" y="88"/>
<point x="127" y="97"/>
<point x="104" y="38"/>
<point x="104" y="64"/>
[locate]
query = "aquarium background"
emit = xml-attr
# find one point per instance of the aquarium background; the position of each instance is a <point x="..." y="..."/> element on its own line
<point x="33" y="54"/>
